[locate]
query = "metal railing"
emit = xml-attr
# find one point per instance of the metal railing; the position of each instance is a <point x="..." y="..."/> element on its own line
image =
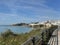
<point x="44" y="38"/>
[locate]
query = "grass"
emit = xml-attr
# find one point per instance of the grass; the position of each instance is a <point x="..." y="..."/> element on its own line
<point x="10" y="38"/>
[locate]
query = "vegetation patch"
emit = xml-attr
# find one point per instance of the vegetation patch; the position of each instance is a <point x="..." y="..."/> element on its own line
<point x="10" y="38"/>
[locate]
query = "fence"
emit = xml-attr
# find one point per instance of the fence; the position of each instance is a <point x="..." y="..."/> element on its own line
<point x="43" y="39"/>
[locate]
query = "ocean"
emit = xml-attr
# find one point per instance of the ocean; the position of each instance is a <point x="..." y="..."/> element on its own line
<point x="15" y="29"/>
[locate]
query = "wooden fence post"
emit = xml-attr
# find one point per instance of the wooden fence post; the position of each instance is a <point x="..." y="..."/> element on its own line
<point x="33" y="40"/>
<point x="42" y="38"/>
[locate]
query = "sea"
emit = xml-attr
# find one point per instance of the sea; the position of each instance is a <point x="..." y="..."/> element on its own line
<point x="15" y="29"/>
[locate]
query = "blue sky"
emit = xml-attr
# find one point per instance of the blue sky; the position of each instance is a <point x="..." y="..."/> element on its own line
<point x="16" y="11"/>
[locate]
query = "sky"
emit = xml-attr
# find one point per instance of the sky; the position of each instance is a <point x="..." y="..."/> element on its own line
<point x="17" y="11"/>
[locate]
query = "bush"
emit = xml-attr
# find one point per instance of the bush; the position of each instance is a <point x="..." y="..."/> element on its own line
<point x="8" y="33"/>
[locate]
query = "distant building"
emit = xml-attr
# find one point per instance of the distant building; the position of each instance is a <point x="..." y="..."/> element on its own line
<point x="42" y="24"/>
<point x="56" y="22"/>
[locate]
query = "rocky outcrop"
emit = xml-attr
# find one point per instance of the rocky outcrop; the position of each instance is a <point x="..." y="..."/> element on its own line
<point x="20" y="24"/>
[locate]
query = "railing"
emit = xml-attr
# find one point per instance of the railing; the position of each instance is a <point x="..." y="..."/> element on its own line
<point x="33" y="41"/>
<point x="43" y="38"/>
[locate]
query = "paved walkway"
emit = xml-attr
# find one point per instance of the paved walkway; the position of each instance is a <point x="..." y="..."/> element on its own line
<point x="59" y="37"/>
<point x="53" y="39"/>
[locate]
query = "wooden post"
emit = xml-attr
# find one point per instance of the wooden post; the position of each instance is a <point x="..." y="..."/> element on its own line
<point x="33" y="40"/>
<point x="42" y="38"/>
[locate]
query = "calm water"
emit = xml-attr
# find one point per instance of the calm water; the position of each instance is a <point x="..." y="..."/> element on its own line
<point x="15" y="29"/>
